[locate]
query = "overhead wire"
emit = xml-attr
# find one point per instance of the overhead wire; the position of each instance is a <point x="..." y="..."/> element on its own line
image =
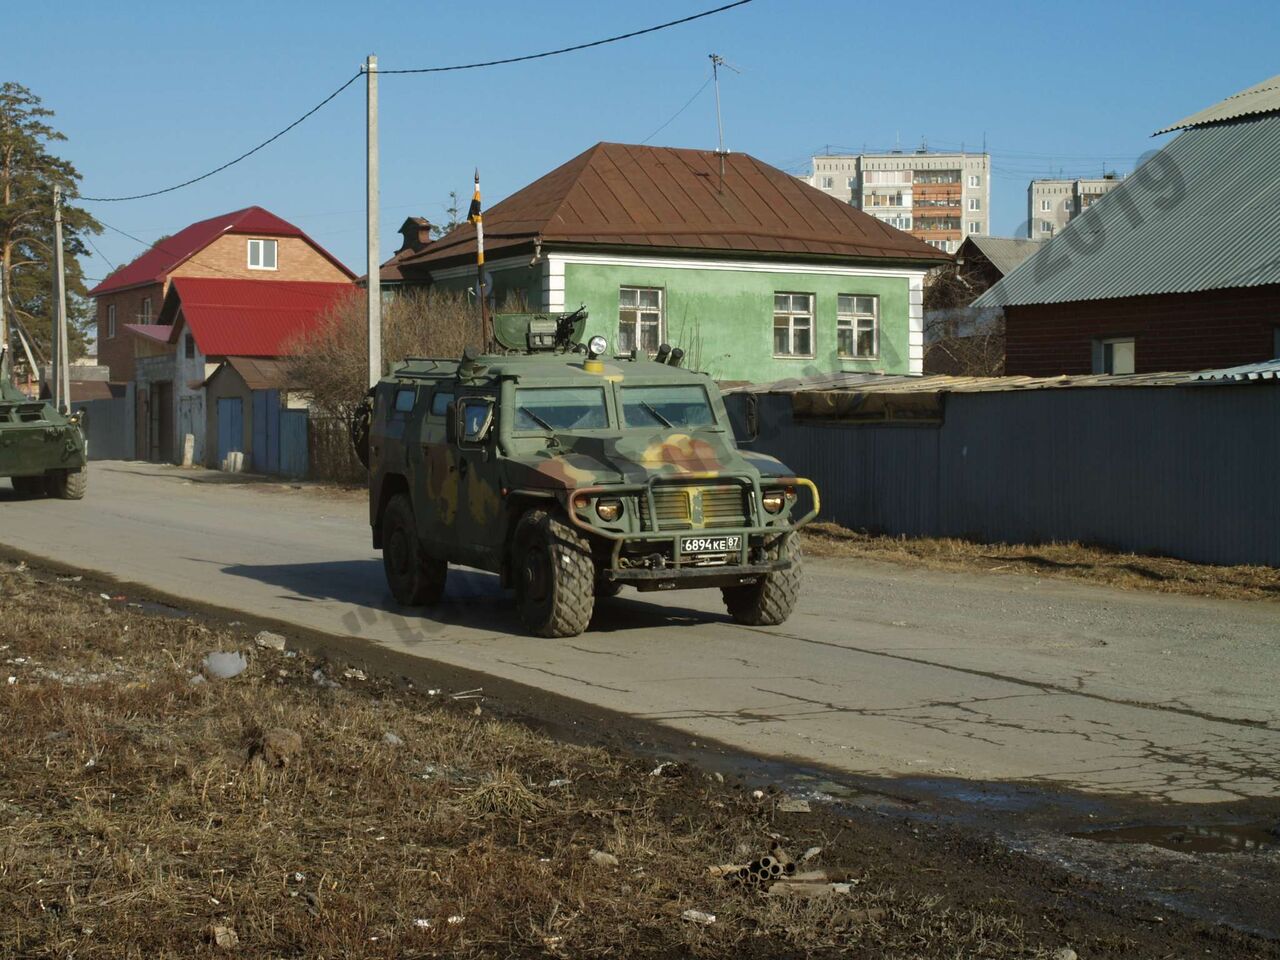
<point x="673" y="117"/>
<point x="446" y="69"/>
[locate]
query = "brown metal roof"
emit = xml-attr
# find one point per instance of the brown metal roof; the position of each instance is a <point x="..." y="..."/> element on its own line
<point x="942" y="383"/>
<point x="621" y="195"/>
<point x="259" y="373"/>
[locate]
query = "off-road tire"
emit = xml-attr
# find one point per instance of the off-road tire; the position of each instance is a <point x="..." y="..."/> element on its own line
<point x="770" y="600"/>
<point x="69" y="484"/>
<point x="415" y="579"/>
<point x="606" y="589"/>
<point x="554" y="575"/>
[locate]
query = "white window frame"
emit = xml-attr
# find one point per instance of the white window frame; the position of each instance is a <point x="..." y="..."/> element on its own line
<point x="1045" y="204"/>
<point x="639" y="318"/>
<point x="828" y="183"/>
<point x="111" y="321"/>
<point x="853" y="320"/>
<point x="791" y="315"/>
<point x="145" y="315"/>
<point x="975" y="204"/>
<point x="1046" y="226"/>
<point x="975" y="226"/>
<point x="1112" y="342"/>
<point x="975" y="180"/>
<point x="188" y="346"/>
<point x="260" y="245"/>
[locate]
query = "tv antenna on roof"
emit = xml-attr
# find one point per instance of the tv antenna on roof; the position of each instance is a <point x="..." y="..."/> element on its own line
<point x="717" y="62"/>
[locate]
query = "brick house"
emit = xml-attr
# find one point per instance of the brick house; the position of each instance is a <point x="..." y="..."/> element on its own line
<point x="248" y="244"/>
<point x="1174" y="269"/>
<point x="755" y="274"/>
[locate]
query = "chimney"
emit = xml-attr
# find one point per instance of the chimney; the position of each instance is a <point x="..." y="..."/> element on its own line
<point x="416" y="232"/>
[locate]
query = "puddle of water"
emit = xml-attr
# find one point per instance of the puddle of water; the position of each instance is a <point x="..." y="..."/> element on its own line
<point x="1195" y="838"/>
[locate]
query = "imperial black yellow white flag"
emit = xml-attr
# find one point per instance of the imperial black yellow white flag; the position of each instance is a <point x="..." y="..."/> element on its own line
<point x="475" y="217"/>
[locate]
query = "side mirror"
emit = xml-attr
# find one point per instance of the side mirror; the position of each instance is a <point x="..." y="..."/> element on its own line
<point x="451" y="422"/>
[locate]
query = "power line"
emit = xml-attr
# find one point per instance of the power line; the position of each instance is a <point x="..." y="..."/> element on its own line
<point x="461" y="66"/>
<point x="89" y="240"/>
<point x="229" y="163"/>
<point x="673" y="117"/>
<point x="576" y="47"/>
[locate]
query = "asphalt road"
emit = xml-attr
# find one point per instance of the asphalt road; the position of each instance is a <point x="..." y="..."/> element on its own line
<point x="883" y="670"/>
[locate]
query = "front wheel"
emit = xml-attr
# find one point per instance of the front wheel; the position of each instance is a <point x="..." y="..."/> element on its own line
<point x="770" y="600"/>
<point x="69" y="484"/>
<point x="415" y="579"/>
<point x="554" y="574"/>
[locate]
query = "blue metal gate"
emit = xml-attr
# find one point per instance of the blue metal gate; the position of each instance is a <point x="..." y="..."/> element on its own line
<point x="293" y="443"/>
<point x="266" y="431"/>
<point x="230" y="426"/>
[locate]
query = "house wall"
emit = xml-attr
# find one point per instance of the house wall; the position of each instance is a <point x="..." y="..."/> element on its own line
<point x="189" y="396"/>
<point x="1186" y="331"/>
<point x="117" y="352"/>
<point x="228" y="257"/>
<point x="721" y="312"/>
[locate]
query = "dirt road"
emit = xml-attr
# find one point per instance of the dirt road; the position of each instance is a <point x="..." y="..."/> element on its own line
<point x="883" y="670"/>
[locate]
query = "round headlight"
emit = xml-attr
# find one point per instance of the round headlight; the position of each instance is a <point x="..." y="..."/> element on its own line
<point x="608" y="510"/>
<point x="773" y="500"/>
<point x="597" y="345"/>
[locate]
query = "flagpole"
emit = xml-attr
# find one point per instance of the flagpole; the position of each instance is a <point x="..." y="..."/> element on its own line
<point x="476" y="216"/>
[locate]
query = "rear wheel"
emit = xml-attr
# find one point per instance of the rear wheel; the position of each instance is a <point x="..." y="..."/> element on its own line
<point x="415" y="578"/>
<point x="30" y="487"/>
<point x="607" y="588"/>
<point x="554" y="574"/>
<point x="770" y="600"/>
<point x="69" y="484"/>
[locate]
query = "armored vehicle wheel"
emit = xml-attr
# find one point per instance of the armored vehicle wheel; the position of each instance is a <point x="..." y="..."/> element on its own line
<point x="769" y="601"/>
<point x="554" y="576"/>
<point x="30" y="487"/>
<point x="69" y="484"/>
<point x="415" y="579"/>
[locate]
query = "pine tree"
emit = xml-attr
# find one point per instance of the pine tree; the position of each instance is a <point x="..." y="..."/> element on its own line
<point x="28" y="174"/>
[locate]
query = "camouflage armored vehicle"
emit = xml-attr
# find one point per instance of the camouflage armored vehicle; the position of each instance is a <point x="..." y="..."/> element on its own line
<point x="570" y="475"/>
<point x="42" y="451"/>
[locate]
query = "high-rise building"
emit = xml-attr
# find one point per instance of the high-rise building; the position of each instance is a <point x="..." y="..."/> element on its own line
<point x="1052" y="204"/>
<point x="939" y="197"/>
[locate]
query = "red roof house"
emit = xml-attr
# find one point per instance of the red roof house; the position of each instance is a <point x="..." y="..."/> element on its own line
<point x="251" y="245"/>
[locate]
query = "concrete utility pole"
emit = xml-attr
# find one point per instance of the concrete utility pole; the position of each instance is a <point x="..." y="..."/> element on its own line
<point x="59" y="358"/>
<point x="371" y="200"/>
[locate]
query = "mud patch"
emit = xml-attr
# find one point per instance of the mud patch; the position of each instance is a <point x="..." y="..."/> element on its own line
<point x="1195" y="838"/>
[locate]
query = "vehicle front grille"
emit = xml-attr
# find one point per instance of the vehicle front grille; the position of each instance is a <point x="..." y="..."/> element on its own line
<point x="681" y="508"/>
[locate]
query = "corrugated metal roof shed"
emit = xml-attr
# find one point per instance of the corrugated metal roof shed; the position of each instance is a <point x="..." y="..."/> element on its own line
<point x="1263" y="98"/>
<point x="624" y="195"/>
<point x="1004" y="253"/>
<point x="1266" y="370"/>
<point x="882" y="383"/>
<point x="258" y="373"/>
<point x="1202" y="214"/>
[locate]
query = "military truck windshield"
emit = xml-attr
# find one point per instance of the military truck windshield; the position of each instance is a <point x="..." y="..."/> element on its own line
<point x="560" y="408"/>
<point x="682" y="406"/>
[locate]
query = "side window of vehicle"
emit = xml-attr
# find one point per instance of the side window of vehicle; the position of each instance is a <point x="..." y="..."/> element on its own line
<point x="404" y="401"/>
<point x="440" y="401"/>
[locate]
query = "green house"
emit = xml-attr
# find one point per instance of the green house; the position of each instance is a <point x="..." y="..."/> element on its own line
<point x="754" y="274"/>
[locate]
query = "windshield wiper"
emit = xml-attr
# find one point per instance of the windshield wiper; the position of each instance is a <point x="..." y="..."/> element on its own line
<point x="538" y="420"/>
<point x="649" y="409"/>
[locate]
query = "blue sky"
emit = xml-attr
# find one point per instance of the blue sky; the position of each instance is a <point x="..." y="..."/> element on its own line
<point x="150" y="94"/>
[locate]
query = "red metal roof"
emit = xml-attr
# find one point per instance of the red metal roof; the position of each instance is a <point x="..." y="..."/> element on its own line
<point x="160" y="260"/>
<point x="249" y="318"/>
<point x="621" y="195"/>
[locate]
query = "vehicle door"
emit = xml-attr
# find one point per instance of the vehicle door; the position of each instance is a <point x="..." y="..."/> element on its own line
<point x="481" y="512"/>
<point x="433" y="472"/>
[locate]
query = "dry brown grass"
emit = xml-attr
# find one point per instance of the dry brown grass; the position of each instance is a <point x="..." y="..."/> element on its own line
<point x="139" y="811"/>
<point x="1069" y="560"/>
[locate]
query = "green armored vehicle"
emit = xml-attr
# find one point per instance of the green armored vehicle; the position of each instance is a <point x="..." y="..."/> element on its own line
<point x="42" y="451"/>
<point x="571" y="475"/>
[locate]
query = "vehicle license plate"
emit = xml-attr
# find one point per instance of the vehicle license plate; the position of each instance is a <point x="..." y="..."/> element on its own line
<point x="711" y="544"/>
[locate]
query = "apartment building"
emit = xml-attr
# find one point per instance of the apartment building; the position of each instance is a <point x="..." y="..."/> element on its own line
<point x="941" y="198"/>
<point x="1052" y="204"/>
